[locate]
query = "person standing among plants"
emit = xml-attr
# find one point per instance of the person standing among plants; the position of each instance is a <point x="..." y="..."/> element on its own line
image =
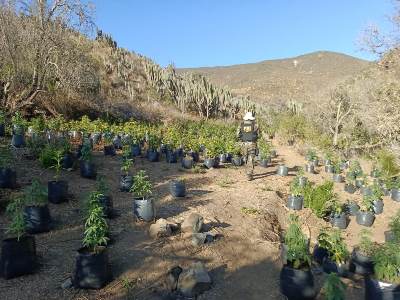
<point x="248" y="133"/>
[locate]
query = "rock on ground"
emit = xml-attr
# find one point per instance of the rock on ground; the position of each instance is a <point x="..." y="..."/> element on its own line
<point x="192" y="224"/>
<point x="194" y="281"/>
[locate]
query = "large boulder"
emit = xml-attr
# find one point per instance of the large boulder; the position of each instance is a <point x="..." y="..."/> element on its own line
<point x="161" y="228"/>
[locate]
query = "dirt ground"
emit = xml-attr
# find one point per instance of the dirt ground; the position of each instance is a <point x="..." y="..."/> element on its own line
<point x="244" y="263"/>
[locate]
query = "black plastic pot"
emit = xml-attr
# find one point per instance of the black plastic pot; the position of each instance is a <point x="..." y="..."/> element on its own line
<point x="339" y="220"/>
<point x="389" y="236"/>
<point x="96" y="137"/>
<point x="237" y="161"/>
<point x="153" y="156"/>
<point x="338" y="178"/>
<point x="210" y="163"/>
<point x="309" y="168"/>
<point x="109" y="150"/>
<point x="353" y="208"/>
<point x="68" y="161"/>
<point x="303" y="181"/>
<point x="361" y="264"/>
<point x="172" y="157"/>
<point x="195" y="155"/>
<point x="375" y="290"/>
<point x="125" y="183"/>
<point x="177" y="189"/>
<point x="319" y="254"/>
<point x="18" y="140"/>
<point x="282" y="170"/>
<point x="92" y="270"/>
<point x="350" y="188"/>
<point x="330" y="266"/>
<point x="87" y="169"/>
<point x="8" y="178"/>
<point x="135" y="150"/>
<point x="264" y="163"/>
<point x="315" y="162"/>
<point x="223" y="159"/>
<point x="297" y="284"/>
<point x="395" y="195"/>
<point x="359" y="183"/>
<point x="107" y="205"/>
<point x="366" y="191"/>
<point x="57" y="191"/>
<point x="187" y="163"/>
<point x="18" y="257"/>
<point x="144" y="209"/>
<point x="378" y="206"/>
<point x="295" y="202"/>
<point x="37" y="219"/>
<point x="365" y="218"/>
<point x="2" y="130"/>
<point x="329" y="169"/>
<point x="117" y="142"/>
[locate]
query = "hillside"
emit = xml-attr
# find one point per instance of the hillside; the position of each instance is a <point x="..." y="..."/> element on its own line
<point x="299" y="78"/>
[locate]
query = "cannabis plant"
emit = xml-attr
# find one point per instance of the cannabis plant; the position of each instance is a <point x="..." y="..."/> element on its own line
<point x="334" y="288"/>
<point x="365" y="246"/>
<point x="102" y="186"/>
<point x="5" y="157"/>
<point x="333" y="242"/>
<point x="394" y="226"/>
<point x="86" y="152"/>
<point x="367" y="203"/>
<point x="298" y="254"/>
<point x="386" y="260"/>
<point x="311" y="155"/>
<point x="96" y="229"/>
<point x="142" y="186"/>
<point x="35" y="194"/>
<point x="318" y="198"/>
<point x="57" y="158"/>
<point x="126" y="165"/>
<point x="14" y="210"/>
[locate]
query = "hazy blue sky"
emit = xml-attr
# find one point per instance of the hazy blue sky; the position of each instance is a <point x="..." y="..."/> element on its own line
<point x="191" y="33"/>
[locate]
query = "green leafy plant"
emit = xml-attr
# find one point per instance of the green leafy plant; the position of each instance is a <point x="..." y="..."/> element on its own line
<point x="96" y="229"/>
<point x="317" y="198"/>
<point x="2" y="117"/>
<point x="35" y="194"/>
<point x="86" y="152"/>
<point x="377" y="191"/>
<point x="386" y="260"/>
<point x="57" y="166"/>
<point x="265" y="149"/>
<point x="295" y="188"/>
<point x="367" y="203"/>
<point x="365" y="245"/>
<point x="387" y="164"/>
<point x="36" y="146"/>
<point x="335" y="207"/>
<point x="142" y="186"/>
<point x="47" y="155"/>
<point x="311" y="155"/>
<point x="334" y="288"/>
<point x="108" y="138"/>
<point x="298" y="254"/>
<point x="14" y="210"/>
<point x="333" y="242"/>
<point x="102" y="186"/>
<point x="394" y="226"/>
<point x="355" y="170"/>
<point x="17" y="119"/>
<point x="5" y="157"/>
<point x="126" y="165"/>
<point x="38" y="124"/>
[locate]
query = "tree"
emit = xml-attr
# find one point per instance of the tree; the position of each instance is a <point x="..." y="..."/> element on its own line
<point x="41" y="50"/>
<point x="340" y="109"/>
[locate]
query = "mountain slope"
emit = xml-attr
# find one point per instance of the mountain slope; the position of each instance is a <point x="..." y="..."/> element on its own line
<point x="301" y="78"/>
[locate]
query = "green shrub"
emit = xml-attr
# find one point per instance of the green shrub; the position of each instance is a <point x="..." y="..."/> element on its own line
<point x="394" y="226"/>
<point x="35" y="194"/>
<point x="14" y="210"/>
<point x="96" y="227"/>
<point x="387" y="163"/>
<point x="298" y="254"/>
<point x="142" y="186"/>
<point x="386" y="260"/>
<point x="334" y="288"/>
<point x="47" y="156"/>
<point x="333" y="242"/>
<point x="318" y="198"/>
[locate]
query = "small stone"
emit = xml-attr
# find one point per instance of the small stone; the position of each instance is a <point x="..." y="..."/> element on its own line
<point x="199" y="239"/>
<point x="67" y="284"/>
<point x="194" y="281"/>
<point x="160" y="229"/>
<point x="171" y="280"/>
<point x="193" y="223"/>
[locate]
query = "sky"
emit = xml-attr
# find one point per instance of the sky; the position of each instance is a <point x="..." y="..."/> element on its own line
<point x="197" y="33"/>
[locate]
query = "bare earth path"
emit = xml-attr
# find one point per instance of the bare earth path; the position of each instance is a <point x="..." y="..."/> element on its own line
<point x="243" y="262"/>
